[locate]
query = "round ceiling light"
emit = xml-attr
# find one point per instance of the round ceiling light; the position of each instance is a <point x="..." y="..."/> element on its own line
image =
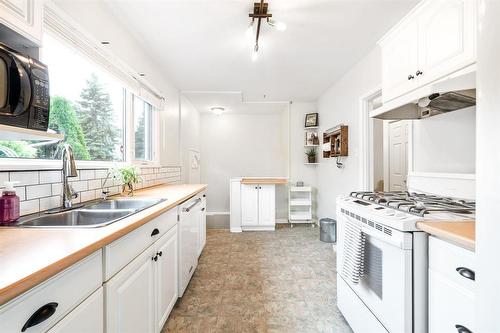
<point x="217" y="110"/>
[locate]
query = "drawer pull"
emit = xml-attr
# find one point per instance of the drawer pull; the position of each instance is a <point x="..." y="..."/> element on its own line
<point x="462" y="329"/>
<point x="40" y="315"/>
<point x="466" y="273"/>
<point x="197" y="201"/>
<point x="155" y="232"/>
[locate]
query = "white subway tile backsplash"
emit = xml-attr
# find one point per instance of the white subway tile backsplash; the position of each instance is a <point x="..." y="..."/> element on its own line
<point x="87" y="196"/>
<point x="52" y="176"/>
<point x="50" y="202"/>
<point x="42" y="190"/>
<point x="79" y="186"/>
<point x="95" y="184"/>
<point x="38" y="191"/>
<point x="24" y="177"/>
<point x="29" y="207"/>
<point x="86" y="174"/>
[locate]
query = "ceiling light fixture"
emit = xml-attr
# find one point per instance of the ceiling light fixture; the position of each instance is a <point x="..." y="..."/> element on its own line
<point x="259" y="13"/>
<point x="217" y="110"/>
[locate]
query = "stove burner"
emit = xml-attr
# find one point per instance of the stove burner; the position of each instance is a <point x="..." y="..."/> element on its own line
<point x="417" y="203"/>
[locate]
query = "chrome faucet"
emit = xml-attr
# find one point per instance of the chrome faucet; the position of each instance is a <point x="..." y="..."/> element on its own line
<point x="68" y="170"/>
<point x="104" y="193"/>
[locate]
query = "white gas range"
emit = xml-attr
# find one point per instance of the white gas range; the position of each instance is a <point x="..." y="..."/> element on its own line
<point x="382" y="257"/>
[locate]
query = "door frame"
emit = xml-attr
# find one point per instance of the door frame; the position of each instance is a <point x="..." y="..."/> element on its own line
<point x="366" y="144"/>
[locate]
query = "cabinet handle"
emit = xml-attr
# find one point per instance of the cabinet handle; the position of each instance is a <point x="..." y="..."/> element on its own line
<point x="160" y="253"/>
<point x="410" y="77"/>
<point x="203" y="209"/>
<point x="155" y="258"/>
<point x="462" y="329"/>
<point x="40" y="315"/>
<point x="204" y="195"/>
<point x="197" y="201"/>
<point x="467" y="273"/>
<point x="419" y="72"/>
<point x="155" y="232"/>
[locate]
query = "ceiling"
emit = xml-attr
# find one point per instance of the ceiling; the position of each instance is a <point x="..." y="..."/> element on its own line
<point x="232" y="102"/>
<point x="201" y="44"/>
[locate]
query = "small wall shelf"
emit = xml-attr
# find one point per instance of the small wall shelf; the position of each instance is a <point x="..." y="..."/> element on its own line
<point x="338" y="138"/>
<point x="13" y="133"/>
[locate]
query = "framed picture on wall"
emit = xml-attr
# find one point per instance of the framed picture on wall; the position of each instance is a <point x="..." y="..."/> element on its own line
<point x="311" y="120"/>
<point x="312" y="138"/>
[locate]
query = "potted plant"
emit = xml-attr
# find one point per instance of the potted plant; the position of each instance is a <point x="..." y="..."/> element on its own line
<point x="129" y="176"/>
<point x="311" y="155"/>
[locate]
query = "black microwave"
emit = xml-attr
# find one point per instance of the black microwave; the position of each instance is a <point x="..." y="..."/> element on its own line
<point x="24" y="90"/>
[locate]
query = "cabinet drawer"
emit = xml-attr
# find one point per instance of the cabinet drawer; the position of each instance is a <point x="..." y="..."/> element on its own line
<point x="87" y="317"/>
<point x="452" y="261"/>
<point x="122" y="251"/>
<point x="449" y="305"/>
<point x="61" y="293"/>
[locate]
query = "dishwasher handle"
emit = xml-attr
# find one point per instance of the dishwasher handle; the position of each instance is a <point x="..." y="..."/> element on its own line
<point x="187" y="209"/>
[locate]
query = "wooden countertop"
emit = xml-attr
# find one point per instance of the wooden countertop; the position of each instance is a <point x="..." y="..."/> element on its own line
<point x="29" y="256"/>
<point x="460" y="233"/>
<point x="277" y="181"/>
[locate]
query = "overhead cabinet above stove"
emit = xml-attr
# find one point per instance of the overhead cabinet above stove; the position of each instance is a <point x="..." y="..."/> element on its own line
<point x="434" y="40"/>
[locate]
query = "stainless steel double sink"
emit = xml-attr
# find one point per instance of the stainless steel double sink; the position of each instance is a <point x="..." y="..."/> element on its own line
<point x="93" y="215"/>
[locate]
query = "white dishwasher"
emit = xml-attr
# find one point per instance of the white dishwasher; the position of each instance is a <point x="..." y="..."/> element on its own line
<point x="188" y="241"/>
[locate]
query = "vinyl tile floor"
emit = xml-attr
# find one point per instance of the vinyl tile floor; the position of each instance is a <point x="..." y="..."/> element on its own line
<point x="269" y="281"/>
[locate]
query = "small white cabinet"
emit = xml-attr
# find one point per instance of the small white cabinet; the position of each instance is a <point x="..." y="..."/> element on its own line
<point x="451" y="288"/>
<point x="258" y="206"/>
<point x="23" y="16"/>
<point x="202" y="218"/>
<point x="140" y="297"/>
<point x="435" y="40"/>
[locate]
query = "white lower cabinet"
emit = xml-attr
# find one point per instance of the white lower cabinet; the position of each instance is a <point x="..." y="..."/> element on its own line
<point x="451" y="288"/>
<point x="202" y="218"/>
<point x="258" y="206"/>
<point x="86" y="318"/>
<point x="188" y="241"/>
<point x="43" y="306"/>
<point x="140" y="297"/>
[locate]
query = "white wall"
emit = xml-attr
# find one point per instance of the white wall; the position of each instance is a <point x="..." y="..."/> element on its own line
<point x="234" y="145"/>
<point x="341" y="104"/>
<point x="98" y="21"/>
<point x="446" y="143"/>
<point x="190" y="135"/>
<point x="488" y="166"/>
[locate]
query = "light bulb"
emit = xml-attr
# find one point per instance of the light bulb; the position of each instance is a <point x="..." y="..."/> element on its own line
<point x="281" y="26"/>
<point x="255" y="53"/>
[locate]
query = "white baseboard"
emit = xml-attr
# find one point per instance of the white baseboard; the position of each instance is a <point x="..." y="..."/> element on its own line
<point x="235" y="230"/>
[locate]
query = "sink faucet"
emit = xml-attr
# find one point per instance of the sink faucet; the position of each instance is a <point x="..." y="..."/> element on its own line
<point x="103" y="192"/>
<point x="68" y="170"/>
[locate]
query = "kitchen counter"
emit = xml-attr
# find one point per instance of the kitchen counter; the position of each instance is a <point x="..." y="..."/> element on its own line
<point x="29" y="256"/>
<point x="264" y="180"/>
<point x="460" y="233"/>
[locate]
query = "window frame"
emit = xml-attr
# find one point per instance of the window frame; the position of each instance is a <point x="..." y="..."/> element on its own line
<point x="106" y="63"/>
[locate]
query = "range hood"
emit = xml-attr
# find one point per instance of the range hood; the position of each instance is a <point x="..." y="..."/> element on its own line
<point x="452" y="93"/>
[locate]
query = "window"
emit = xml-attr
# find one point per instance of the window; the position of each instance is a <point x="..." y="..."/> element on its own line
<point x="143" y="113"/>
<point x="87" y="105"/>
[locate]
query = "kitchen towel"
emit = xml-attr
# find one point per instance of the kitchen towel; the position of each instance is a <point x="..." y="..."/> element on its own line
<point x="353" y="253"/>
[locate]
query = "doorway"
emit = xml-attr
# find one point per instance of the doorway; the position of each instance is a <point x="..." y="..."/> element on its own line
<point x="385" y="148"/>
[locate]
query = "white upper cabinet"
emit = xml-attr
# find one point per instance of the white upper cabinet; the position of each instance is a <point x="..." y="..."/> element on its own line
<point x="24" y="17"/>
<point x="434" y="40"/>
<point x="399" y="56"/>
<point x="446" y="38"/>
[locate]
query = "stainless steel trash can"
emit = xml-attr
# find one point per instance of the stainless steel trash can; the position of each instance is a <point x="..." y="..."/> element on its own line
<point x="328" y="230"/>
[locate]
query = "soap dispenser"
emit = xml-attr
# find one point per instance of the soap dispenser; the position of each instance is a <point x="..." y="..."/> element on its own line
<point x="9" y="204"/>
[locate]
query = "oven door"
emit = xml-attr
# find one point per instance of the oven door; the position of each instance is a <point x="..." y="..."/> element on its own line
<point x="386" y="283"/>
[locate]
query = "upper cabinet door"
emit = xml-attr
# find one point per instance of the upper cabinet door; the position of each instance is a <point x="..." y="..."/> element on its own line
<point x="24" y="17"/>
<point x="399" y="61"/>
<point x="447" y="32"/>
<point x="267" y="204"/>
<point x="249" y="204"/>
